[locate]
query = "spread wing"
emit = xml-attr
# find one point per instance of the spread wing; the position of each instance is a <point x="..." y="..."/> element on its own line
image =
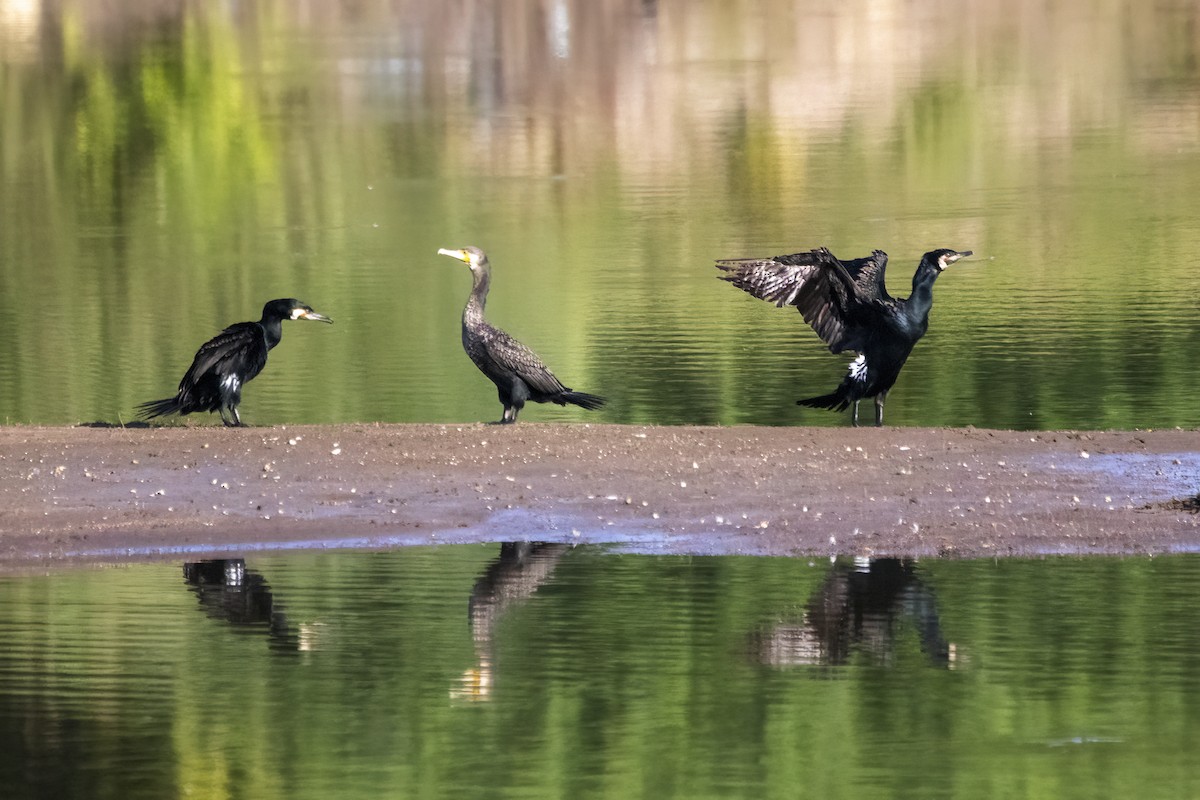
<point x="820" y="286"/>
<point x="240" y="349"/>
<point x="515" y="357"/>
<point x="868" y="276"/>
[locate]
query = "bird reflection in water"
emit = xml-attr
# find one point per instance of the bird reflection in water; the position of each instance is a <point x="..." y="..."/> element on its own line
<point x="865" y="607"/>
<point x="230" y="591"/>
<point x="509" y="581"/>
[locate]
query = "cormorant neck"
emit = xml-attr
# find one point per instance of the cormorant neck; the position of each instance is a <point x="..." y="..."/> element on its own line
<point x="921" y="299"/>
<point x="479" y="291"/>
<point x="273" y="327"/>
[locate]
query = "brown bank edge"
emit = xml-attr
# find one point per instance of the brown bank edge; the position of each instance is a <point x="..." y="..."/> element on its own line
<point x="103" y="494"/>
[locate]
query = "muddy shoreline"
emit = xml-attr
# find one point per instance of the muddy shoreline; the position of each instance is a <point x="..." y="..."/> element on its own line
<point x="93" y="494"/>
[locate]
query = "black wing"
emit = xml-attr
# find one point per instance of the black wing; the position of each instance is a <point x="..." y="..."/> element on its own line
<point x="240" y="350"/>
<point x="868" y="275"/>
<point x="816" y="283"/>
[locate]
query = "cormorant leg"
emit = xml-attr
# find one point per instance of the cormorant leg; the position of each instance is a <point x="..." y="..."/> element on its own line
<point x="879" y="400"/>
<point x="510" y="416"/>
<point x="854" y="415"/>
<point x="237" y="418"/>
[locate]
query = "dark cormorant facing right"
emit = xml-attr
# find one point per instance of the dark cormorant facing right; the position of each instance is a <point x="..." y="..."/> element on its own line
<point x="225" y="363"/>
<point x="516" y="370"/>
<point x="848" y="305"/>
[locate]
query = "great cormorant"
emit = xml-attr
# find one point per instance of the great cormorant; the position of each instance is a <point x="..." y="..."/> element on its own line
<point x="516" y="370"/>
<point x="848" y="305"/>
<point x="225" y="363"/>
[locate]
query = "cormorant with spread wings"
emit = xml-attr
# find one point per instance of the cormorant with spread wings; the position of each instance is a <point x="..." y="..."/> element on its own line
<point x="848" y="305"/>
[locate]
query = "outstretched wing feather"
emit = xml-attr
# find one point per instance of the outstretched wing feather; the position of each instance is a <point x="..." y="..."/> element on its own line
<point x="815" y="282"/>
<point x="868" y="276"/>
<point x="769" y="280"/>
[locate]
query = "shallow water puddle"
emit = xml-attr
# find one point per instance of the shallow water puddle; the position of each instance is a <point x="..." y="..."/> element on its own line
<point x="1150" y="477"/>
<point x="545" y="670"/>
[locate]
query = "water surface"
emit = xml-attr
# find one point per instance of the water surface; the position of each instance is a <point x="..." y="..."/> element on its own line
<point x="167" y="167"/>
<point x="548" y="671"/>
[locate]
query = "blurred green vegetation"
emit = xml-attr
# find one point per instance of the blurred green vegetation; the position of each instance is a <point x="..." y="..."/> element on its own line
<point x="616" y="676"/>
<point x="167" y="168"/>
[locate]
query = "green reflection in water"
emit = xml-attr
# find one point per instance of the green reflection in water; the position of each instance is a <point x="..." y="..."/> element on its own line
<point x="168" y="167"/>
<point x="550" y="671"/>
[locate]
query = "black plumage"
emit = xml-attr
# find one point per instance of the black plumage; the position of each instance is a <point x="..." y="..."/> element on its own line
<point x="516" y="370"/>
<point x="225" y="363"/>
<point x="848" y="305"/>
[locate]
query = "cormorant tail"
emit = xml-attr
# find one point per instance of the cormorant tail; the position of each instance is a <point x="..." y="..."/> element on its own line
<point x="584" y="400"/>
<point x="160" y="408"/>
<point x="838" y="400"/>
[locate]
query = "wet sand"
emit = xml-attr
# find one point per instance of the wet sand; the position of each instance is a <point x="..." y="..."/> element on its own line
<point x="113" y="494"/>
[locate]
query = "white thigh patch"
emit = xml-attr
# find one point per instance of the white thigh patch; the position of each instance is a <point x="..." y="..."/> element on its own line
<point x="858" y="369"/>
<point x="230" y="383"/>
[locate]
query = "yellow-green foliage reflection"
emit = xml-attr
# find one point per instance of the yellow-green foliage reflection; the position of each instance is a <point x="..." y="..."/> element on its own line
<point x="167" y="168"/>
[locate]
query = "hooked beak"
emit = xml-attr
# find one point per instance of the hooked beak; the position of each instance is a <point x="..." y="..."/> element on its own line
<point x="315" y="317"/>
<point x="456" y="254"/>
<point x="949" y="258"/>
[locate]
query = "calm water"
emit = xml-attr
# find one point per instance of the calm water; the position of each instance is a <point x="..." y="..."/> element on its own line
<point x="545" y="671"/>
<point x="166" y="167"/>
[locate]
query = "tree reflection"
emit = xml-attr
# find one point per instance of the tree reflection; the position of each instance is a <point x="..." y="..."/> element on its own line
<point x="614" y="146"/>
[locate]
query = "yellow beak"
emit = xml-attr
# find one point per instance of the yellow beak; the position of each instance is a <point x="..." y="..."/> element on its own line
<point x="458" y="254"/>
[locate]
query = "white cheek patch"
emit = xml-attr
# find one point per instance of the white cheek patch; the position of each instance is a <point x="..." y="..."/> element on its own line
<point x="297" y="313"/>
<point x="858" y="369"/>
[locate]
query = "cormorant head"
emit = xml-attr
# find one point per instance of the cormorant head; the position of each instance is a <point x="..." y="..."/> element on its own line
<point x="940" y="259"/>
<point x="291" y="308"/>
<point x="473" y="257"/>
